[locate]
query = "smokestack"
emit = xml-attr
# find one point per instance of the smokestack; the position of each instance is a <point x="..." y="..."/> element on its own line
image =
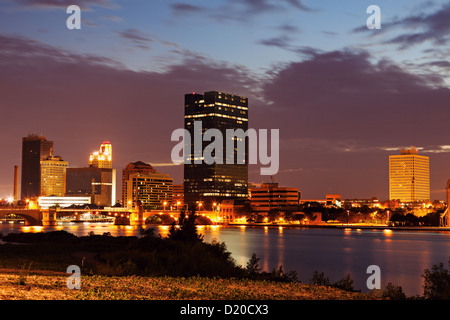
<point x="16" y="183"/>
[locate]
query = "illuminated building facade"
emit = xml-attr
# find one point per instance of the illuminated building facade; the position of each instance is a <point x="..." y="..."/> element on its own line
<point x="63" y="202"/>
<point x="447" y="193"/>
<point x="209" y="183"/>
<point x="34" y="149"/>
<point x="97" y="183"/>
<point x="178" y="196"/>
<point x="103" y="157"/>
<point x="269" y="196"/>
<point x="133" y="167"/>
<point x="53" y="176"/>
<point x="143" y="183"/>
<point x="409" y="176"/>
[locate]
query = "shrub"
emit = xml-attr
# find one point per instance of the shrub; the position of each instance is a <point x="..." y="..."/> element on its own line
<point x="319" y="279"/>
<point x="187" y="231"/>
<point x="393" y="292"/>
<point x="345" y="284"/>
<point x="436" y="283"/>
<point x="253" y="265"/>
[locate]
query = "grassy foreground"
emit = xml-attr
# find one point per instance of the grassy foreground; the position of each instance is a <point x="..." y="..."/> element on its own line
<point x="46" y="285"/>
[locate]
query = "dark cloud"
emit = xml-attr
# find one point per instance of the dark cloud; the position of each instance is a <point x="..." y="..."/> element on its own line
<point x="241" y="10"/>
<point x="139" y="38"/>
<point x="348" y="93"/>
<point x="282" y="42"/>
<point x="135" y="35"/>
<point x="257" y="6"/>
<point x="416" y="29"/>
<point x="185" y="8"/>
<point x="289" y="28"/>
<point x="299" y="5"/>
<point x="53" y="4"/>
<point x="340" y="115"/>
<point x="442" y="64"/>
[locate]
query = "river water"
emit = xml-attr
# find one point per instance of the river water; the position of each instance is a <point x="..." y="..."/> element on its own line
<point x="401" y="255"/>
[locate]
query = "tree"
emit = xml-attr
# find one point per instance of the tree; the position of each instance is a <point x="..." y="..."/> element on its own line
<point x="436" y="283"/>
<point x="253" y="265"/>
<point x="298" y="217"/>
<point x="273" y="215"/>
<point x="255" y="218"/>
<point x="393" y="292"/>
<point x="345" y="284"/>
<point x="288" y="215"/>
<point x="149" y="232"/>
<point x="319" y="279"/>
<point x="187" y="230"/>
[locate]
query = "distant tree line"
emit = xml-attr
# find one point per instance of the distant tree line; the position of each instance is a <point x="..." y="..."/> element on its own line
<point x="347" y="214"/>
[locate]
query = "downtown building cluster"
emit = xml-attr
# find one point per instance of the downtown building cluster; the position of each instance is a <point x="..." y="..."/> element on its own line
<point x="48" y="180"/>
<point x="220" y="187"/>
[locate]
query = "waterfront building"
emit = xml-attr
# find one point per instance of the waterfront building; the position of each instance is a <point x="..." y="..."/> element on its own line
<point x="140" y="182"/>
<point x="447" y="197"/>
<point x="103" y="157"/>
<point x="53" y="176"/>
<point x="35" y="148"/>
<point x="62" y="202"/>
<point x="229" y="211"/>
<point x="269" y="196"/>
<point x="333" y="200"/>
<point x="178" y="196"/>
<point x="97" y="183"/>
<point x="210" y="183"/>
<point x="409" y="176"/>
<point x="358" y="203"/>
<point x="133" y="167"/>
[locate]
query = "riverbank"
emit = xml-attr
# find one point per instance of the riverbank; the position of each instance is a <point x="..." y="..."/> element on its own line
<point x="16" y="284"/>
<point x="341" y="226"/>
<point x="277" y="225"/>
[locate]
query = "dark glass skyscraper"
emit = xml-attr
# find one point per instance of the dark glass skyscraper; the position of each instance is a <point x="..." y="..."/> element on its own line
<point x="209" y="183"/>
<point x="97" y="183"/>
<point x="34" y="149"/>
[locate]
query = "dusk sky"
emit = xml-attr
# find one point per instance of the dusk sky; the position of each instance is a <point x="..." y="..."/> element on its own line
<point x="343" y="97"/>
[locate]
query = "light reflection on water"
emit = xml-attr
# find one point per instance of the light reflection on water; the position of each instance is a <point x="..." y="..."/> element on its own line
<point x="401" y="255"/>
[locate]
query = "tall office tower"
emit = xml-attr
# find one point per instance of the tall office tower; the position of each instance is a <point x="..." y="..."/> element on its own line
<point x="97" y="183"/>
<point x="141" y="182"/>
<point x="447" y="193"/>
<point x="53" y="176"/>
<point x="209" y="183"/>
<point x="34" y="149"/>
<point x="103" y="157"/>
<point x="16" y="184"/>
<point x="409" y="176"/>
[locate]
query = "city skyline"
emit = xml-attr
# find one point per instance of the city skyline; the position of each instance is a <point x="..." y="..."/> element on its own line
<point x="394" y="159"/>
<point x="344" y="97"/>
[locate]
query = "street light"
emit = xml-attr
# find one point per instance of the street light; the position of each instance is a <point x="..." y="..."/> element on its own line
<point x="199" y="206"/>
<point x="164" y="204"/>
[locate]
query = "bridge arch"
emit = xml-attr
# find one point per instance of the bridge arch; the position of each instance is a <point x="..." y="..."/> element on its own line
<point x="31" y="217"/>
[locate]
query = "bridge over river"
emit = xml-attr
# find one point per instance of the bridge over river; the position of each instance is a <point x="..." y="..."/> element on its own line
<point x="122" y="216"/>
